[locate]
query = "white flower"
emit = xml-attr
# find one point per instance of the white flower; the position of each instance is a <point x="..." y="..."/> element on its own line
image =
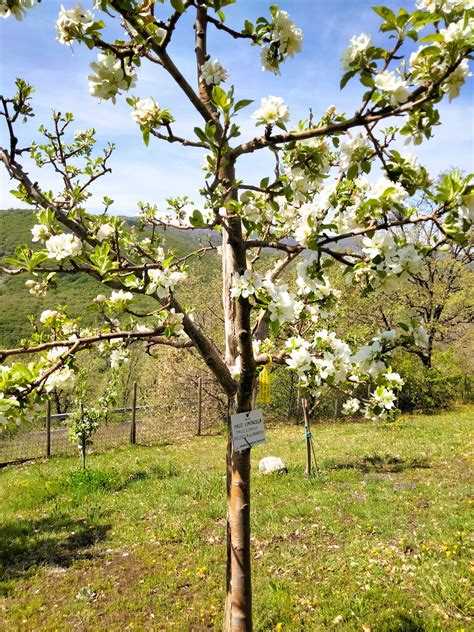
<point x="49" y="314"/>
<point x="105" y="231"/>
<point x="273" y="111"/>
<point x="6" y="403"/>
<point x="285" y="40"/>
<point x="353" y="150"/>
<point x="395" y="86"/>
<point x="164" y="281"/>
<point x="118" y="357"/>
<point x="17" y="8"/>
<point x="64" y="245"/>
<point x="287" y="34"/>
<point x="447" y="6"/>
<point x="234" y="369"/>
<point x="394" y="378"/>
<point x="378" y="189"/>
<point x="213" y="73"/>
<point x="300" y="359"/>
<point x="350" y="406"/>
<point x="245" y="284"/>
<point x="55" y="353"/>
<point x="283" y="306"/>
<point x="40" y="232"/>
<point x="109" y="76"/>
<point x="146" y="112"/>
<point x="72" y="23"/>
<point x="269" y="63"/>
<point x="379" y="244"/>
<point x="119" y="296"/>
<point x="36" y="289"/>
<point x="357" y="47"/>
<point x="453" y="84"/>
<point x="384" y="397"/>
<point x="62" y="378"/>
<point x="175" y="321"/>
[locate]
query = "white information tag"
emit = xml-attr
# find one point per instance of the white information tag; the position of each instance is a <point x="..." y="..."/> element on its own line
<point x="247" y="429"/>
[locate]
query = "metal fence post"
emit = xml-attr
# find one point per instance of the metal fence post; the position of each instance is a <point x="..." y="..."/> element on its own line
<point x="133" y="427"/>
<point x="199" y="394"/>
<point x="48" y="429"/>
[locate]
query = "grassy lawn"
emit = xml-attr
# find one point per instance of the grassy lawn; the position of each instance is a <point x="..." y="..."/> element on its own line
<point x="378" y="542"/>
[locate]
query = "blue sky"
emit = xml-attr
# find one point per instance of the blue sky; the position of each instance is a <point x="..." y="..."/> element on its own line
<point x="29" y="50"/>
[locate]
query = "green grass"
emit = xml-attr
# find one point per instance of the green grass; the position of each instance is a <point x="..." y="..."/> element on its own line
<point x="378" y="542"/>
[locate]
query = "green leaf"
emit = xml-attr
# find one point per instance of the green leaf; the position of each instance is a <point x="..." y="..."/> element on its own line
<point x="346" y="78"/>
<point x="385" y="13"/>
<point x="249" y="28"/>
<point x="434" y="37"/>
<point x="178" y="6"/>
<point x="196" y="219"/>
<point x="243" y="103"/>
<point x="200" y="134"/>
<point x="352" y="172"/>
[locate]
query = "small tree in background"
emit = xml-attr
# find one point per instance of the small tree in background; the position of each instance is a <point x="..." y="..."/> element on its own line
<point x="314" y="209"/>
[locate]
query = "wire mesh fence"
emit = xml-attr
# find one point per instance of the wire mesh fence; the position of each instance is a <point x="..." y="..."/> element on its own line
<point x="193" y="409"/>
<point x="143" y="425"/>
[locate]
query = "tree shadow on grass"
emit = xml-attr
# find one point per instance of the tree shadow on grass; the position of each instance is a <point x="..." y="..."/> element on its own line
<point x="377" y="463"/>
<point x="56" y="541"/>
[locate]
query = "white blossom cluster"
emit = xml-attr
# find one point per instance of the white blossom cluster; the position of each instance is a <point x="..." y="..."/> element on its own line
<point x="446" y="6"/>
<point x="40" y="232"/>
<point x="17" y="8"/>
<point x="50" y="316"/>
<point x="213" y="73"/>
<point x="8" y="403"/>
<point x="272" y="111"/>
<point x="395" y="88"/>
<point x="354" y="55"/>
<point x="109" y="76"/>
<point x="62" y="378"/>
<point x="425" y="67"/>
<point x="72" y="23"/>
<point x="174" y="321"/>
<point x="120" y="298"/>
<point x="353" y="150"/>
<point x="105" y="231"/>
<point x="162" y="282"/>
<point x="325" y="360"/>
<point x="316" y="286"/>
<point x="61" y="246"/>
<point x="115" y="352"/>
<point x="389" y="263"/>
<point x="37" y="288"/>
<point x="285" y="40"/>
<point x="283" y="306"/>
<point x="147" y="113"/>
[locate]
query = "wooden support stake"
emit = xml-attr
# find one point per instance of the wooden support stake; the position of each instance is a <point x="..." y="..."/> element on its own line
<point x="83" y="442"/>
<point x="133" y="427"/>
<point x="48" y="429"/>
<point x="310" y="451"/>
<point x="304" y="405"/>
<point x="199" y="394"/>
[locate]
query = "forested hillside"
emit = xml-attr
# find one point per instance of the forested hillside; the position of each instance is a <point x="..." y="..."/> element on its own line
<point x="75" y="291"/>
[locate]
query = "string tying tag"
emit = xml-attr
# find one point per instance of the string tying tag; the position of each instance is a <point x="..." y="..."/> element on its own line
<point x="264" y="383"/>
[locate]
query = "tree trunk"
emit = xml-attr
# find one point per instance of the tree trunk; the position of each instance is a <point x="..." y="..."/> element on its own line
<point x="238" y="344"/>
<point x="238" y="606"/>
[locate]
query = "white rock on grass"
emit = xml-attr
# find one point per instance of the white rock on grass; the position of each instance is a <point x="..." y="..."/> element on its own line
<point x="271" y="464"/>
